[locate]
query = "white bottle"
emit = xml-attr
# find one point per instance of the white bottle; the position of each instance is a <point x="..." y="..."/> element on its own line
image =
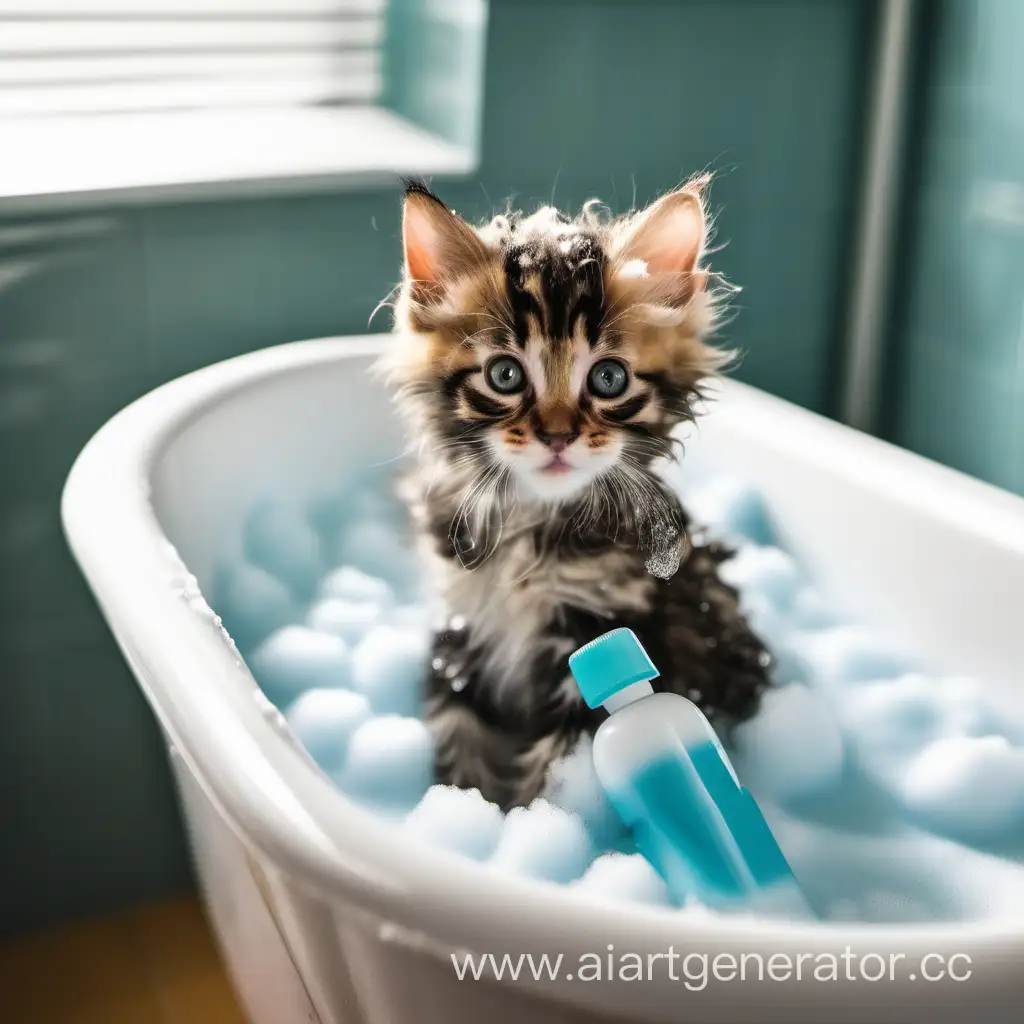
<point x="670" y="780"/>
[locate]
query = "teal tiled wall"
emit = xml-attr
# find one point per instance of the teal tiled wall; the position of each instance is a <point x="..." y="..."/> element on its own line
<point x="958" y="391"/>
<point x="609" y="98"/>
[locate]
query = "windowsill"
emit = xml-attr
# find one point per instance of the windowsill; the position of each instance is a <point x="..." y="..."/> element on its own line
<point x="49" y="164"/>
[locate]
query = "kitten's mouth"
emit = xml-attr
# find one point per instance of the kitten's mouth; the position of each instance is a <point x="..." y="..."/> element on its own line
<point x="556" y="467"/>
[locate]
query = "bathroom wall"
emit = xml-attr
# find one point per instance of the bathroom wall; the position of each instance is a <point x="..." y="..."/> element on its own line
<point x="614" y="98"/>
<point x="957" y="390"/>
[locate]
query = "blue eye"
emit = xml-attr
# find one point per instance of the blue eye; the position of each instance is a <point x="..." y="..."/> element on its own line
<point x="608" y="379"/>
<point x="506" y="375"/>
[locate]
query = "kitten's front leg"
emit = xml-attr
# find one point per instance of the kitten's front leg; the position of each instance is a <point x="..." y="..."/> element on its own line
<point x="469" y="751"/>
<point x="481" y="746"/>
<point x="509" y="769"/>
<point x="471" y="754"/>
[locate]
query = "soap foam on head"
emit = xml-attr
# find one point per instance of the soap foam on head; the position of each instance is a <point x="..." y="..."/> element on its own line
<point x="872" y="776"/>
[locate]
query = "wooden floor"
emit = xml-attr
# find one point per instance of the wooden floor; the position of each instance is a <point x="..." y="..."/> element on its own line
<point x="154" y="965"/>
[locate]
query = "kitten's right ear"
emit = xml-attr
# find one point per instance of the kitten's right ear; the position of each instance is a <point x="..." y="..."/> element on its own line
<point x="667" y="241"/>
<point x="439" y="245"/>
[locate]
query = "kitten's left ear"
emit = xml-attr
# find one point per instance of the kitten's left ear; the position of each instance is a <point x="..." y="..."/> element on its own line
<point x="439" y="245"/>
<point x="668" y="239"/>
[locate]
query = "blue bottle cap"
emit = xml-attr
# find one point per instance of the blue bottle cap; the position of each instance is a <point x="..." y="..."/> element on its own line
<point x="608" y="664"/>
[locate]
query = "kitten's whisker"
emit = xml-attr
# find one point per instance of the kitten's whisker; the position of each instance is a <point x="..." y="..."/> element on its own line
<point x="470" y="338"/>
<point x="501" y="479"/>
<point x="388" y="300"/>
<point x="467" y="507"/>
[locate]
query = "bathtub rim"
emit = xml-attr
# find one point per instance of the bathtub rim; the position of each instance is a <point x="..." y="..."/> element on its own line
<point x="293" y="815"/>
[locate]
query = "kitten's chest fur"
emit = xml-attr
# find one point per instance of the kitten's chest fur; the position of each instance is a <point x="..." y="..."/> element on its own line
<point x="519" y="599"/>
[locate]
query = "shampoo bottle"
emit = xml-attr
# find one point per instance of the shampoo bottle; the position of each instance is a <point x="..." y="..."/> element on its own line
<point x="670" y="780"/>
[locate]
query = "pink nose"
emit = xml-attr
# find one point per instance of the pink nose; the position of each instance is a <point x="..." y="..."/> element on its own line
<point x="556" y="442"/>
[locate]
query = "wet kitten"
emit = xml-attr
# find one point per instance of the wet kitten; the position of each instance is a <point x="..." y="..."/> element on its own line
<point x="542" y="363"/>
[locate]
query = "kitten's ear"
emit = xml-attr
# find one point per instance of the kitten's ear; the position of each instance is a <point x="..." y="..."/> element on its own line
<point x="668" y="238"/>
<point x="439" y="245"/>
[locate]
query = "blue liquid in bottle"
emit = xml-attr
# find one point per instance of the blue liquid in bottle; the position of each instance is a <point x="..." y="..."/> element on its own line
<point x="666" y="774"/>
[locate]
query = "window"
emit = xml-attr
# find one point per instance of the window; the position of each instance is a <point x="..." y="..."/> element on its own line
<point x="68" y="57"/>
<point x="111" y="101"/>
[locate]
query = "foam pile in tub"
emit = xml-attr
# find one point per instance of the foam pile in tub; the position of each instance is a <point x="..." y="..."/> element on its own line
<point x="896" y="796"/>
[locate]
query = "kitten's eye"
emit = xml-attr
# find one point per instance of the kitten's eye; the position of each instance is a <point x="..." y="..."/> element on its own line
<point x="506" y="375"/>
<point x="608" y="379"/>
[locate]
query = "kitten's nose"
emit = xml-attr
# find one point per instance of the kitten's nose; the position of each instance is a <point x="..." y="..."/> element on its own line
<point x="556" y="442"/>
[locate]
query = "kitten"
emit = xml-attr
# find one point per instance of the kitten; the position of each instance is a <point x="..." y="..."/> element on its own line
<point x="542" y="363"/>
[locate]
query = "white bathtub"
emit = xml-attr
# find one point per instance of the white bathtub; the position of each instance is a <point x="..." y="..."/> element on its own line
<point x="325" y="913"/>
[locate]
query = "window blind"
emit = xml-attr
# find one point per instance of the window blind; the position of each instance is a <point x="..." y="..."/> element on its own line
<point x="91" y="56"/>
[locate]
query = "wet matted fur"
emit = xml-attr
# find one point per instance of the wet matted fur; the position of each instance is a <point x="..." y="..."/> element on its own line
<point x="542" y="363"/>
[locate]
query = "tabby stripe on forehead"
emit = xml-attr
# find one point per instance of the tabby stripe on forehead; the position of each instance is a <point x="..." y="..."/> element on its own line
<point x="480" y="403"/>
<point x="630" y="408"/>
<point x="523" y="303"/>
<point x="589" y="308"/>
<point x="588" y="281"/>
